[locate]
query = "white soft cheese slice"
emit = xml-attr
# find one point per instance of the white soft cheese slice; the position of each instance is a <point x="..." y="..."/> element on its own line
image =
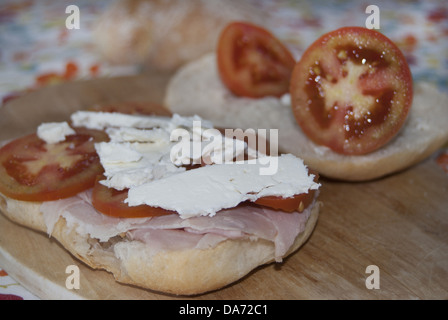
<point x="209" y="189"/>
<point x="102" y="120"/>
<point x="137" y="135"/>
<point x="128" y="164"/>
<point x="54" y="132"/>
<point x="117" y="153"/>
<point x="146" y="148"/>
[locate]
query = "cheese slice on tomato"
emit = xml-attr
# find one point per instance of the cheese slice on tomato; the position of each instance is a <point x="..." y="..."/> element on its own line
<point x="207" y="190"/>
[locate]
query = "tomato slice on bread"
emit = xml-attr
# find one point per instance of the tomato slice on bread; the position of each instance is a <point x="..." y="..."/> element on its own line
<point x="252" y="62"/>
<point x="351" y="90"/>
<point x="442" y="161"/>
<point x="111" y="202"/>
<point x="298" y="202"/>
<point x="32" y="170"/>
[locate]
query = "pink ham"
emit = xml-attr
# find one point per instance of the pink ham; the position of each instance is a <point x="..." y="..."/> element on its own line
<point x="173" y="233"/>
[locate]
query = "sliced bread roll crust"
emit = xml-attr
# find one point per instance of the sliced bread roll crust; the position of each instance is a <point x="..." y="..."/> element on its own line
<point x="197" y="89"/>
<point x="182" y="272"/>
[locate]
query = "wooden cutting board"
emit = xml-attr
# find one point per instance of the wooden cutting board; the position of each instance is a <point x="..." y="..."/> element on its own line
<point x="398" y="224"/>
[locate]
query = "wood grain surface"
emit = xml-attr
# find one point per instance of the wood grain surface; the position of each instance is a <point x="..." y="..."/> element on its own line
<point x="398" y="223"/>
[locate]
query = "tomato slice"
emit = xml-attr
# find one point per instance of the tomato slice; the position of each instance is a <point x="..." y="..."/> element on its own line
<point x="442" y="161"/>
<point x="351" y="90"/>
<point x="298" y="202"/>
<point x="252" y="62"/>
<point x="32" y="170"/>
<point x="111" y="202"/>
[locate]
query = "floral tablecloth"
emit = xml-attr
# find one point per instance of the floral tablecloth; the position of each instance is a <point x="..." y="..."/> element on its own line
<point x="10" y="289"/>
<point x="37" y="50"/>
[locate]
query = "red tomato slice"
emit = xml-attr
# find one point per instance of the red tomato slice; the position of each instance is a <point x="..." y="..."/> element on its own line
<point x="32" y="170"/>
<point x="298" y="202"/>
<point x="442" y="161"/>
<point x="111" y="202"/>
<point x="351" y="90"/>
<point x="252" y="62"/>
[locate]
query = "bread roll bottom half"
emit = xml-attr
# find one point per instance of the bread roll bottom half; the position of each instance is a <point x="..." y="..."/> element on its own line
<point x="178" y="272"/>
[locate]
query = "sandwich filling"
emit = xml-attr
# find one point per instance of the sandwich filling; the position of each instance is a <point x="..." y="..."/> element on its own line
<point x="204" y="202"/>
<point x="171" y="232"/>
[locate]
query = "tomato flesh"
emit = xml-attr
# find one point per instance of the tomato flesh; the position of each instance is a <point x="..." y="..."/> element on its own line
<point x="351" y="90"/>
<point x="298" y="202"/>
<point x="442" y="161"/>
<point x="252" y="62"/>
<point x="32" y="170"/>
<point x="111" y="202"/>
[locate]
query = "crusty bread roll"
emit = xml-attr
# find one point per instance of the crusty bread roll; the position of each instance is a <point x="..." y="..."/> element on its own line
<point x="182" y="272"/>
<point x="165" y="34"/>
<point x="197" y="89"/>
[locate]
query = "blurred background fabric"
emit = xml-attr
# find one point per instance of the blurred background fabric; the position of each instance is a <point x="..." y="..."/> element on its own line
<point x="37" y="49"/>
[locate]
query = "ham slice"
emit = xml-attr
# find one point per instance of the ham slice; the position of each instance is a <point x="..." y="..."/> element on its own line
<point x="171" y="232"/>
<point x="79" y="212"/>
